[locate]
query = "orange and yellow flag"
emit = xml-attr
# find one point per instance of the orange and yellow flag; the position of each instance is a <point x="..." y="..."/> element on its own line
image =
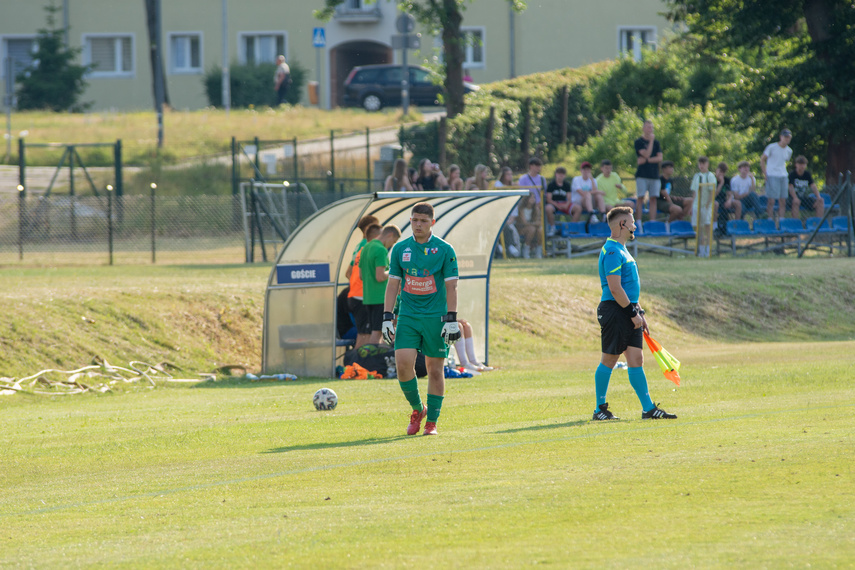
<point x="670" y="366"/>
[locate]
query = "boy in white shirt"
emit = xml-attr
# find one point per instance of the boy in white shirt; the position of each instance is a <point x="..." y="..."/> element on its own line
<point x="702" y="177"/>
<point x="773" y="163"/>
<point x="744" y="187"/>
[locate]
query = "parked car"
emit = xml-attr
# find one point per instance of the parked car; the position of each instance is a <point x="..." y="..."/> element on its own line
<point x="373" y="87"/>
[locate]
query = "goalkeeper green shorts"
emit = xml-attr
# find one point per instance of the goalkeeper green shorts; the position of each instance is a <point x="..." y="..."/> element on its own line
<point x="423" y="333"/>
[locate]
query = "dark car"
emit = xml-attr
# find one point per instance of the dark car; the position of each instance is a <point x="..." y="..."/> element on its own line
<point x="373" y="87"/>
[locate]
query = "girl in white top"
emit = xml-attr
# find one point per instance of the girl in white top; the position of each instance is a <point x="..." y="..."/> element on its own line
<point x="398" y="180"/>
<point x="455" y="183"/>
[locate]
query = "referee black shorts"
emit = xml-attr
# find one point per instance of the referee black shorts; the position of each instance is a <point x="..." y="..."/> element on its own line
<point x="616" y="329"/>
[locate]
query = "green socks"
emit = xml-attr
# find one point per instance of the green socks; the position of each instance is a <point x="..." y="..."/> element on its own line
<point x="434" y="406"/>
<point x="411" y="391"/>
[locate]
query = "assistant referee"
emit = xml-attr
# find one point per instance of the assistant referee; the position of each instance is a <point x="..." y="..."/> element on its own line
<point x="621" y="318"/>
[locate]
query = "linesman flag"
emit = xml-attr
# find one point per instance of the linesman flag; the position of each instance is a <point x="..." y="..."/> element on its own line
<point x="670" y="366"/>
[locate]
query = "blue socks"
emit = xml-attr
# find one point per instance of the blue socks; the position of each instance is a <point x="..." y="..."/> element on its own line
<point x="639" y="383"/>
<point x="601" y="381"/>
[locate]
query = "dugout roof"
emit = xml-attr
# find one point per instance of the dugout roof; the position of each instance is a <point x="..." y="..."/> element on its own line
<point x="299" y="334"/>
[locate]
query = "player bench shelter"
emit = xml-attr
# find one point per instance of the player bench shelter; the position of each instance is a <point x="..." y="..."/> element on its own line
<point x="299" y="334"/>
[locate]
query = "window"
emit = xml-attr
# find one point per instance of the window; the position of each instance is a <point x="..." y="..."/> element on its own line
<point x="262" y="47"/>
<point x="22" y="51"/>
<point x="185" y="52"/>
<point x="109" y="55"/>
<point x="631" y="40"/>
<point x="474" y="42"/>
<point x="419" y="77"/>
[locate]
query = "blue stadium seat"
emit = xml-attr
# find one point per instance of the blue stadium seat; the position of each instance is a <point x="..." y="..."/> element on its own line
<point x="574" y="229"/>
<point x="766" y="227"/>
<point x="840" y="223"/>
<point x="738" y="228"/>
<point x="826" y="198"/>
<point x="682" y="228"/>
<point x="601" y="229"/>
<point x="812" y="223"/>
<point x="764" y="201"/>
<point x="654" y="229"/>
<point x="792" y="226"/>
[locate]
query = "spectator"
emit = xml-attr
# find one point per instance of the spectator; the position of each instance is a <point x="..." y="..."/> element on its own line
<point x="648" y="153"/>
<point x="465" y="348"/>
<point x="702" y="177"/>
<point x="725" y="202"/>
<point x="529" y="226"/>
<point x="800" y="182"/>
<point x="413" y="175"/>
<point x="667" y="201"/>
<point x="744" y="187"/>
<point x="584" y="186"/>
<point x="354" y="296"/>
<point x="479" y="180"/>
<point x="773" y="163"/>
<point x="398" y="180"/>
<point x="282" y="80"/>
<point x="430" y="176"/>
<point x="609" y="183"/>
<point x="374" y="269"/>
<point x="512" y="236"/>
<point x="533" y="180"/>
<point x="558" y="194"/>
<point x="455" y="183"/>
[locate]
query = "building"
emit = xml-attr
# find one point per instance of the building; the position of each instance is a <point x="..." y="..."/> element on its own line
<point x="112" y="35"/>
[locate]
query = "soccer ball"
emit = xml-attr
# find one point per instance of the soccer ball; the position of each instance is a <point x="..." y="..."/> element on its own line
<point x="325" y="399"/>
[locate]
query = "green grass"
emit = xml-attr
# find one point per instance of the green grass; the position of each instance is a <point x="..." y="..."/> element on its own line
<point x="188" y="134"/>
<point x="757" y="470"/>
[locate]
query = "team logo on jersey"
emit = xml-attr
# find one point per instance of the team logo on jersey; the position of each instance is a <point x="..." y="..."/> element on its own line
<point x="407" y="254"/>
<point x="429" y="250"/>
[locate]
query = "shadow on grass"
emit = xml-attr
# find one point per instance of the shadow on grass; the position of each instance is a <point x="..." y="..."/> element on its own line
<point x="355" y="443"/>
<point x="548" y="426"/>
<point x="242" y="382"/>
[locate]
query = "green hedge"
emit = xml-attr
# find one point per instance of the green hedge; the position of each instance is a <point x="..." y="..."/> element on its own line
<point x="467" y="133"/>
<point x="252" y="85"/>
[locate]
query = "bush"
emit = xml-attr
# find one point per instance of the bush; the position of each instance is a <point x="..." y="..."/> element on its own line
<point x="252" y="85"/>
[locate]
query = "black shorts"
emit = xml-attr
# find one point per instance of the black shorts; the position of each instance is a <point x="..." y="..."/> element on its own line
<point x="360" y="315"/>
<point x="375" y="317"/>
<point x="616" y="329"/>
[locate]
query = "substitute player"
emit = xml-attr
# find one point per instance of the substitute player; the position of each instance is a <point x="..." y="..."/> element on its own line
<point x="621" y="318"/>
<point x="424" y="269"/>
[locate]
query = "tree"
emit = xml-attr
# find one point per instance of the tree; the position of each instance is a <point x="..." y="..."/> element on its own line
<point x="444" y="16"/>
<point x="53" y="81"/>
<point x="795" y="58"/>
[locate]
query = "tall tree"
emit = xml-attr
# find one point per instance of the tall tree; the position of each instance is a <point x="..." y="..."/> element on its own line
<point x="795" y="58"/>
<point x="53" y="81"/>
<point x="444" y="17"/>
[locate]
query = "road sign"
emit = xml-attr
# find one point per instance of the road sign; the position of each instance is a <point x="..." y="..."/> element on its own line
<point x="409" y="41"/>
<point x="319" y="38"/>
<point x="405" y="23"/>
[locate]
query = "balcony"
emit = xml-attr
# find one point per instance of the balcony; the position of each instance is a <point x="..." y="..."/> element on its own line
<point x="348" y="14"/>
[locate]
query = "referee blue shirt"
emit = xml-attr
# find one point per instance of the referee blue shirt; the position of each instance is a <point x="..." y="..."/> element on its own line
<point x="616" y="260"/>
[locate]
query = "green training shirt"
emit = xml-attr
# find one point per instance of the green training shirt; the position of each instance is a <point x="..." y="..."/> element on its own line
<point x="373" y="255"/>
<point x="423" y="269"/>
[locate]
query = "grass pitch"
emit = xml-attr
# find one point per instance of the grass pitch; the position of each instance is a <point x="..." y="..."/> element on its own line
<point x="756" y="471"/>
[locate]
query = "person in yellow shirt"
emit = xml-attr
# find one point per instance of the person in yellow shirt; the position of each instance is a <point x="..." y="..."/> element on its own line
<point x="609" y="183"/>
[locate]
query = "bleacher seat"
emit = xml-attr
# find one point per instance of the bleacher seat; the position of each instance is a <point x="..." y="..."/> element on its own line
<point x="792" y="226"/>
<point x="574" y="229"/>
<point x="601" y="229"/>
<point x="840" y="223"/>
<point x="812" y="223"/>
<point x="766" y="227"/>
<point x="682" y="228"/>
<point x="738" y="228"/>
<point x="654" y="229"/>
<point x="764" y="202"/>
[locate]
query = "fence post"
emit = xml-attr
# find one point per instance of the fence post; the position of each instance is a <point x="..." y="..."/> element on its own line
<point x="332" y="157"/>
<point x="565" y="110"/>
<point x="71" y="154"/>
<point x="153" y="224"/>
<point x="491" y="125"/>
<point x="109" y="221"/>
<point x="296" y="163"/>
<point x="22" y="205"/>
<point x="525" y="144"/>
<point x="367" y="160"/>
<point x="22" y="165"/>
<point x="441" y="140"/>
<point x="117" y="159"/>
<point x="234" y="168"/>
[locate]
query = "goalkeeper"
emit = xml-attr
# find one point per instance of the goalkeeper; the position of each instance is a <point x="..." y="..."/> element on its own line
<point x="424" y="269"/>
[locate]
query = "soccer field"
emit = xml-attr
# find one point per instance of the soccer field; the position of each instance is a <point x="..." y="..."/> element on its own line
<point x="757" y="470"/>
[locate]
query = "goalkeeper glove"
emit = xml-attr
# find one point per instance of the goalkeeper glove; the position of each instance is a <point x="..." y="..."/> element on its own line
<point x="450" y="330"/>
<point x="388" y="328"/>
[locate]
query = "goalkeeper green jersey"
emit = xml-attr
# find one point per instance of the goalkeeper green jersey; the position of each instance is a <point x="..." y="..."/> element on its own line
<point x="423" y="269"/>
